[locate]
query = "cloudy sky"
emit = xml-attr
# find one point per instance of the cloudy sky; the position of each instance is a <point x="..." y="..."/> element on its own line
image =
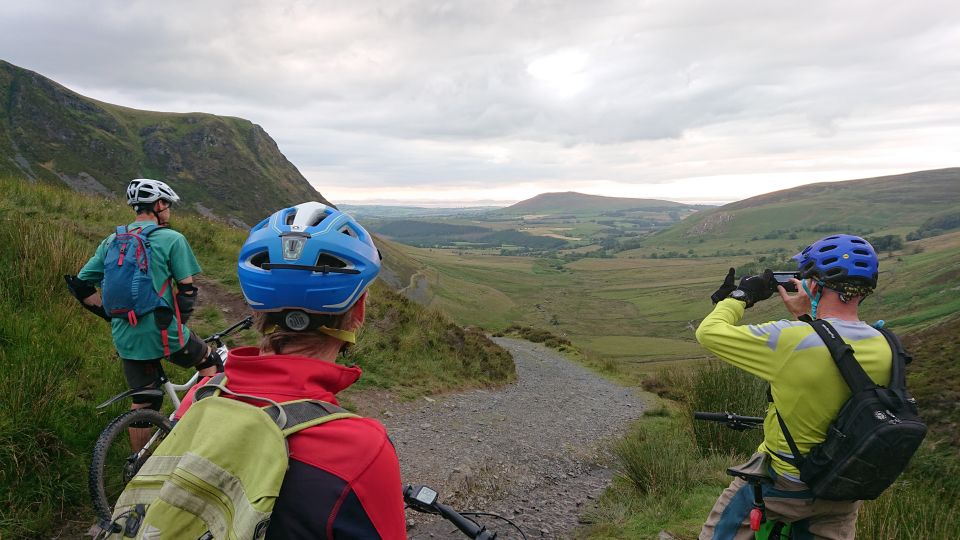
<point x="436" y="101"/>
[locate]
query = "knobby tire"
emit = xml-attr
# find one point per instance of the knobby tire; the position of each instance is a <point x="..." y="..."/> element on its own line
<point x="110" y="468"/>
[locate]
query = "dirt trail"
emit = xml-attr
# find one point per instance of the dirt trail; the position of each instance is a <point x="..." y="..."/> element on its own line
<point x="534" y="451"/>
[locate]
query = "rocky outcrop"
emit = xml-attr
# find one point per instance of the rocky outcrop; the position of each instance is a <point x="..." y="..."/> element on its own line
<point x="712" y="223"/>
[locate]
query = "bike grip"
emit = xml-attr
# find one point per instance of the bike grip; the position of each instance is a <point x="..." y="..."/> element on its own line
<point x="711" y="416"/>
<point x="468" y="527"/>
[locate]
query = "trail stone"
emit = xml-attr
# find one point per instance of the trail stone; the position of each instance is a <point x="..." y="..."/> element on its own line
<point x="539" y="450"/>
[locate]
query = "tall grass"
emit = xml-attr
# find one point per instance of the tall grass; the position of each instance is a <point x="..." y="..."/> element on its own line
<point x="672" y="458"/>
<point x="414" y="350"/>
<point x="655" y="464"/>
<point x="924" y="503"/>
<point x="54" y="357"/>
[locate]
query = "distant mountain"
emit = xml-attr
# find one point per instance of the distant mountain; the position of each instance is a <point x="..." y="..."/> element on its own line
<point x="571" y="202"/>
<point x="362" y="211"/>
<point x="871" y="205"/>
<point x="228" y="166"/>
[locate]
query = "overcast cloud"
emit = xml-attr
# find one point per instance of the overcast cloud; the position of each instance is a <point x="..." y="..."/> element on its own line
<point x="458" y="101"/>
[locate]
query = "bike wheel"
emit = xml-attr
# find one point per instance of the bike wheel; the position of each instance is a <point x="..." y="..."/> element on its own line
<point x="114" y="463"/>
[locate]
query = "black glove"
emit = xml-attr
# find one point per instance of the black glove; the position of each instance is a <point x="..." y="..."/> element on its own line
<point x="186" y="300"/>
<point x="724" y="289"/>
<point x="757" y="288"/>
<point x="81" y="290"/>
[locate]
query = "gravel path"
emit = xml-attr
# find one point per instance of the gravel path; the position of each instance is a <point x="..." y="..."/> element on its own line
<point x="534" y="451"/>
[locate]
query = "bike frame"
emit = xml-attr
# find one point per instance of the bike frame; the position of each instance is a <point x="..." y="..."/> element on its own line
<point x="763" y="528"/>
<point x="173" y="391"/>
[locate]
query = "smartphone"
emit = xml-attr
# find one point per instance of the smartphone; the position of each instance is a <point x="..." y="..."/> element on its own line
<point x="783" y="278"/>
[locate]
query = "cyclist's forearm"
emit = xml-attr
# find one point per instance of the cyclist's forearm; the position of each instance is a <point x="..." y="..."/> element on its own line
<point x="725" y="314"/>
<point x="745" y="347"/>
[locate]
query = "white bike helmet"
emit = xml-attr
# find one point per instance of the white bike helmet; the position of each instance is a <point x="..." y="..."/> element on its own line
<point x="145" y="190"/>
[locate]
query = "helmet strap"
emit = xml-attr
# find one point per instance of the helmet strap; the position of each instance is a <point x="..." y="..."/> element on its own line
<point x="814" y="300"/>
<point x="345" y="336"/>
<point x="153" y="210"/>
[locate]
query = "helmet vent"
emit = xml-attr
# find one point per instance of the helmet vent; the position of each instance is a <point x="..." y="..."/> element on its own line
<point x="260" y="258"/>
<point x="861" y="252"/>
<point x="825" y="249"/>
<point x="325" y="259"/>
<point x="830" y="260"/>
<point x="861" y="264"/>
<point x="348" y="231"/>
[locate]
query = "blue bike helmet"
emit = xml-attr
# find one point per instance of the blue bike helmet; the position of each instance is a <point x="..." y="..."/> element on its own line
<point x="309" y="257"/>
<point x="839" y="258"/>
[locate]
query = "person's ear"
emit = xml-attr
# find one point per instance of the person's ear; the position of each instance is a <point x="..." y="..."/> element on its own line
<point x="357" y="313"/>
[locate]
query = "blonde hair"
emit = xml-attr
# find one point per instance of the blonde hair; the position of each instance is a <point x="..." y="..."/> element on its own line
<point x="274" y="339"/>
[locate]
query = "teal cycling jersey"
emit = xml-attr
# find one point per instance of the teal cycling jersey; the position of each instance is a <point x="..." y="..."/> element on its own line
<point x="171" y="258"/>
<point x="806" y="385"/>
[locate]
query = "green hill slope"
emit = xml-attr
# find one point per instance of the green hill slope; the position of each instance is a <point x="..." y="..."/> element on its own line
<point x="886" y="205"/>
<point x="57" y="361"/>
<point x="571" y="202"/>
<point x="228" y="165"/>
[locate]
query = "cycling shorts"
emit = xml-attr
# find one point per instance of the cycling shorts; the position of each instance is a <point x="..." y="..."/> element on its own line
<point x="140" y="373"/>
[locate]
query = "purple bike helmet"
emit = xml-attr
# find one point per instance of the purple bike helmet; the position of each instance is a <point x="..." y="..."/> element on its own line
<point x="839" y="258"/>
<point x="308" y="257"/>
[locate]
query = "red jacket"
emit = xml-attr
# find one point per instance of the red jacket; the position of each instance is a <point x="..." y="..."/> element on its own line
<point x="344" y="477"/>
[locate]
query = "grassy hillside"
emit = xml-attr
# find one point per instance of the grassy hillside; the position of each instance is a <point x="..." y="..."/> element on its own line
<point x="886" y="205"/>
<point x="228" y="165"/>
<point x="57" y="361"/>
<point x="571" y="202"/>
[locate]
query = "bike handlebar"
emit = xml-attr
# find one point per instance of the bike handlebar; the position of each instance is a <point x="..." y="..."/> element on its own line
<point x="238" y="326"/>
<point x="424" y="499"/>
<point x="468" y="527"/>
<point x="732" y="421"/>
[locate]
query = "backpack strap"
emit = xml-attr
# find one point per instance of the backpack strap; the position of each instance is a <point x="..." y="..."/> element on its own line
<point x="213" y="387"/>
<point x="898" y="370"/>
<point x="147" y="230"/>
<point x="290" y="416"/>
<point x="851" y="371"/>
<point x="301" y="414"/>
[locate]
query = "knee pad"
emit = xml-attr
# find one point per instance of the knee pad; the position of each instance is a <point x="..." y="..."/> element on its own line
<point x="212" y="359"/>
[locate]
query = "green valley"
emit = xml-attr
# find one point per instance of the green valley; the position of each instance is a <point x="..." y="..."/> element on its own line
<point x="644" y="302"/>
<point x="631" y="314"/>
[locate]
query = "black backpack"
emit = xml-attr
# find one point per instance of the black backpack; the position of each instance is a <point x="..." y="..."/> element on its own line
<point x="874" y="435"/>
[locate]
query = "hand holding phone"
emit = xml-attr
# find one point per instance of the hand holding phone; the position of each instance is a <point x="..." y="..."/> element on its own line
<point x="784" y="279"/>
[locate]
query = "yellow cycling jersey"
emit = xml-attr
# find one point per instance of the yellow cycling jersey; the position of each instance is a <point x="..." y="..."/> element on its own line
<point x="807" y="387"/>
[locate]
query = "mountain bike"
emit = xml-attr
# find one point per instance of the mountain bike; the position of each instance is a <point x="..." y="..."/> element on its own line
<point x="755" y="472"/>
<point x="114" y="464"/>
<point x="425" y="499"/>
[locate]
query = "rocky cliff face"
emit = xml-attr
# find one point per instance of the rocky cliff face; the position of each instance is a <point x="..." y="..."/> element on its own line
<point x="228" y="167"/>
